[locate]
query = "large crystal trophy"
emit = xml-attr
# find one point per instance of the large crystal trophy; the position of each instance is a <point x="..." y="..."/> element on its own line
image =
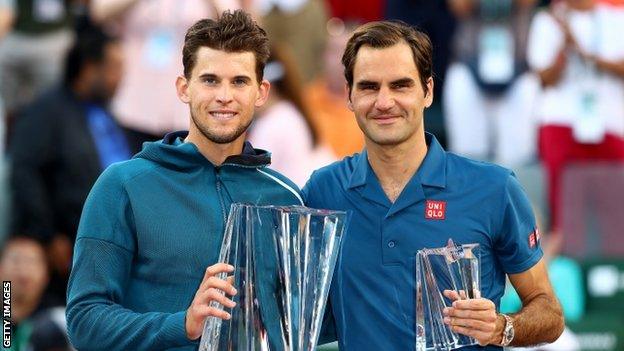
<point x="284" y="258"/>
<point x="456" y="268"/>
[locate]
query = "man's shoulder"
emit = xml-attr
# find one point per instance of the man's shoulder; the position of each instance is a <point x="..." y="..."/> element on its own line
<point x="54" y="104"/>
<point x="462" y="169"/>
<point x="58" y="97"/>
<point x="121" y="173"/>
<point x="327" y="187"/>
<point x="338" y="172"/>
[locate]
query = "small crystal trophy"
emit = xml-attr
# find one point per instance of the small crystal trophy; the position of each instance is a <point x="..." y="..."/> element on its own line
<point x="284" y="258"/>
<point x="454" y="267"/>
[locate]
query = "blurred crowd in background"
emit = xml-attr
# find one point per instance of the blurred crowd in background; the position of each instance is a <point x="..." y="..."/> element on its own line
<point x="536" y="86"/>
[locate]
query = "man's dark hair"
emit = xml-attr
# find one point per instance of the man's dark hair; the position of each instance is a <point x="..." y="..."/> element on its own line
<point x="384" y="34"/>
<point x="21" y="237"/>
<point x="89" y="47"/>
<point x="231" y="32"/>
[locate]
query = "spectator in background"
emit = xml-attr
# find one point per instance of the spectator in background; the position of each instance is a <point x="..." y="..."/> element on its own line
<point x="299" y="25"/>
<point x="284" y="124"/>
<point x="152" y="33"/>
<point x="31" y="53"/>
<point x="61" y="144"/>
<point x="327" y="97"/>
<point x="577" y="50"/>
<point x="35" y="323"/>
<point x="488" y="94"/>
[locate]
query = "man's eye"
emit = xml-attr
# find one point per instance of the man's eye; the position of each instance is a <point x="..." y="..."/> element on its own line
<point x="240" y="82"/>
<point x="210" y="81"/>
<point x="400" y="86"/>
<point x="368" y="87"/>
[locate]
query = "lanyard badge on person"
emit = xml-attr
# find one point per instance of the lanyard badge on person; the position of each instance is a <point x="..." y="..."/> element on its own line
<point x="496" y="43"/>
<point x="589" y="126"/>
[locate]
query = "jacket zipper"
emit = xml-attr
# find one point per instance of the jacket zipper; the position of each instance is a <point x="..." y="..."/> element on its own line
<point x="220" y="195"/>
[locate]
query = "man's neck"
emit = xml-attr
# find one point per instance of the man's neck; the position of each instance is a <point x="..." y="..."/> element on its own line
<point x="214" y="152"/>
<point x="395" y="165"/>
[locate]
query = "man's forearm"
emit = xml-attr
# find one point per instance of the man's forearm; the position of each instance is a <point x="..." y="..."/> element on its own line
<point x="540" y="321"/>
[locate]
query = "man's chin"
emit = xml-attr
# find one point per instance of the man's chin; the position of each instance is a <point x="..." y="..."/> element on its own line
<point x="224" y="137"/>
<point x="386" y="140"/>
<point x="223" y="140"/>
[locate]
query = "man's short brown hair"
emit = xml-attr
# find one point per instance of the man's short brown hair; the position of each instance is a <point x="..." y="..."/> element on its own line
<point x="384" y="34"/>
<point x="231" y="32"/>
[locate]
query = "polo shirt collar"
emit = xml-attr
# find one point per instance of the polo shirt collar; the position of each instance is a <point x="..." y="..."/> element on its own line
<point x="432" y="172"/>
<point x="358" y="177"/>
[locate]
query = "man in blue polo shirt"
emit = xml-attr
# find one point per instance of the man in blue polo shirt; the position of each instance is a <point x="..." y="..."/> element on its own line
<point x="406" y="193"/>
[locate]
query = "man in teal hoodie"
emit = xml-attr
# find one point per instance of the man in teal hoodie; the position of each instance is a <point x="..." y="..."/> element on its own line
<point x="146" y="253"/>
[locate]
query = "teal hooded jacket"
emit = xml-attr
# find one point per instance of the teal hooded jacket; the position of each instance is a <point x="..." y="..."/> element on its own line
<point x="149" y="229"/>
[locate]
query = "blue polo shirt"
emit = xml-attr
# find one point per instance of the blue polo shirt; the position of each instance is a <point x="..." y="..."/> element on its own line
<point x="372" y="298"/>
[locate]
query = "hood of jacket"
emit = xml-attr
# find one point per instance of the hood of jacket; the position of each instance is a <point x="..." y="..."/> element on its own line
<point x="171" y="152"/>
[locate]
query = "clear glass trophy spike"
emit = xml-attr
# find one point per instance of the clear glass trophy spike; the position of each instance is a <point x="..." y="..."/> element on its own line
<point x="456" y="268"/>
<point x="284" y="258"/>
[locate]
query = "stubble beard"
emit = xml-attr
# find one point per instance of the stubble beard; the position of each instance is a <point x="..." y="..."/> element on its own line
<point x="215" y="137"/>
<point x="381" y="138"/>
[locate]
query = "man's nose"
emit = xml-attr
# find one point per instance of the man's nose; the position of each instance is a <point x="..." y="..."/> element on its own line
<point x="385" y="99"/>
<point x="224" y="95"/>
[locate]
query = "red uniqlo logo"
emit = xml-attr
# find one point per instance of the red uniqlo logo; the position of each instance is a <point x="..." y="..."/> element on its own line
<point x="532" y="240"/>
<point x="537" y="235"/>
<point x="435" y="209"/>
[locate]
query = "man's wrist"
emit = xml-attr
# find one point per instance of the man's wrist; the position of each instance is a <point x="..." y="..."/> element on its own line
<point x="500" y="330"/>
<point x="508" y="330"/>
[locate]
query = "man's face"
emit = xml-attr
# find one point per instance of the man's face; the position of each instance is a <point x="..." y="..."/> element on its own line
<point x="222" y="93"/>
<point x="108" y="73"/>
<point x="24" y="264"/>
<point x="387" y="97"/>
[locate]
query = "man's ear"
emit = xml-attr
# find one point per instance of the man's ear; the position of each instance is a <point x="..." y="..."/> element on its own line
<point x="182" y="89"/>
<point x="263" y="93"/>
<point x="349" y="102"/>
<point x="429" y="92"/>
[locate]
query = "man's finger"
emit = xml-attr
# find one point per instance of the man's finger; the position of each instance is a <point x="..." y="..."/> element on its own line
<point x="214" y="270"/>
<point x="478" y="325"/>
<point x="483" y="315"/>
<point x="206" y="311"/>
<point x="478" y="335"/>
<point x="216" y="295"/>
<point x="223" y="285"/>
<point x="474" y="304"/>
<point x="451" y="294"/>
<point x="218" y="268"/>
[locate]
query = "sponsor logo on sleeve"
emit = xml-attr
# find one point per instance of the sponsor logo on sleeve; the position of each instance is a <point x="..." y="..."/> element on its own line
<point x="534" y="238"/>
